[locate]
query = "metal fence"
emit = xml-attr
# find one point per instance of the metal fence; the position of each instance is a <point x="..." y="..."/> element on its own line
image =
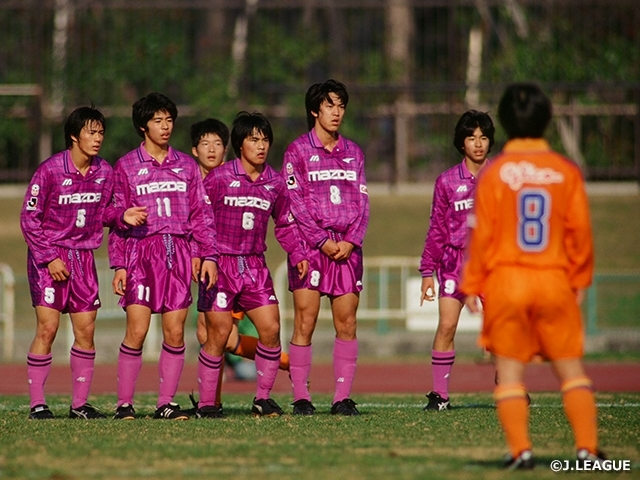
<point x="389" y="303"/>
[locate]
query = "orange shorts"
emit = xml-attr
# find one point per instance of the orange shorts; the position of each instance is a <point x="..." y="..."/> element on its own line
<point x="529" y="311"/>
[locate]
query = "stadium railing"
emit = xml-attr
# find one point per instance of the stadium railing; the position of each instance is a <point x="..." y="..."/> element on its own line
<point x="7" y="309"/>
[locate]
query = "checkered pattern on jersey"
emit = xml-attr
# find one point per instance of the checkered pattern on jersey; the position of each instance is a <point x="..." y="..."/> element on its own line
<point x="242" y="207"/>
<point x="328" y="190"/>
<point x="174" y="196"/>
<point x="64" y="208"/>
<point x="452" y="203"/>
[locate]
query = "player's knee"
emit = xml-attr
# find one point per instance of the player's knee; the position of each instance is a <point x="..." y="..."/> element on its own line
<point x="46" y="333"/>
<point x="270" y="335"/>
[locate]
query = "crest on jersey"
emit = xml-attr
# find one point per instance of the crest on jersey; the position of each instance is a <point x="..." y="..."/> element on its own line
<point x="289" y="168"/>
<point x="35" y="190"/>
<point x="363" y="189"/>
<point x="292" y="182"/>
<point x="32" y="203"/>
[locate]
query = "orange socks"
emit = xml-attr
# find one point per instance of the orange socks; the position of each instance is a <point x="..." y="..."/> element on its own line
<point x="246" y="348"/>
<point x="580" y="408"/>
<point x="513" y="413"/>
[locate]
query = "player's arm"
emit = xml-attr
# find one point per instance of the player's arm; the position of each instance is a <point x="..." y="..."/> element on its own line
<point x="578" y="240"/>
<point x="481" y="233"/>
<point x="116" y="214"/>
<point x="357" y="229"/>
<point x="32" y="218"/>
<point x="116" y="243"/>
<point x="436" y="237"/>
<point x="204" y="230"/>
<point x="295" y="175"/>
<point x="286" y="229"/>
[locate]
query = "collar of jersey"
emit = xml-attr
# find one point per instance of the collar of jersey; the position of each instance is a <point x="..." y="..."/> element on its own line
<point x="145" y="157"/>
<point x="526" y="144"/>
<point x="69" y="167"/>
<point x="315" y="142"/>
<point x="267" y="173"/>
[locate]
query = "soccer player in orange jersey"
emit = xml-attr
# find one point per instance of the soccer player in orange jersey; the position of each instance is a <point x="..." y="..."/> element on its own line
<point x="530" y="254"/>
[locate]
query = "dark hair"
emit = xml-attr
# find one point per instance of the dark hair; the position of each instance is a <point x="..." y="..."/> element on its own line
<point x="210" y="125"/>
<point x="245" y="124"/>
<point x="318" y="93"/>
<point x="524" y="111"/>
<point x="145" y="108"/>
<point x="468" y="123"/>
<point x="77" y="120"/>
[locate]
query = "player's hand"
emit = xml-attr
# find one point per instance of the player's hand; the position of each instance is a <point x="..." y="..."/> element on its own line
<point x="58" y="270"/>
<point x="427" y="290"/>
<point x="473" y="303"/>
<point x="196" y="263"/>
<point x="209" y="273"/>
<point x="135" y="216"/>
<point x="580" y="295"/>
<point x="345" y="251"/>
<point x="119" y="282"/>
<point x="330" y="248"/>
<point x="303" y="269"/>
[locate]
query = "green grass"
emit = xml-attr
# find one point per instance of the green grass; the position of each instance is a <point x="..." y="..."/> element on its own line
<point x="393" y="439"/>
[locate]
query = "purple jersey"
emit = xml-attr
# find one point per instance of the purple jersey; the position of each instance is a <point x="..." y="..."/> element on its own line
<point x="452" y="203"/>
<point x="174" y="196"/>
<point x="328" y="190"/>
<point x="242" y="207"/>
<point x="63" y="208"/>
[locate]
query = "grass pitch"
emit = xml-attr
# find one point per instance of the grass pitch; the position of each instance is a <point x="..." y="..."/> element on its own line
<point x="392" y="439"/>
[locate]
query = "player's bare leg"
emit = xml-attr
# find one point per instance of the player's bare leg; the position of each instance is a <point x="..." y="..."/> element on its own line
<point x="130" y="358"/>
<point x="443" y="353"/>
<point x="39" y="360"/>
<point x="82" y="359"/>
<point x="306" y="307"/>
<point x="266" y="319"/>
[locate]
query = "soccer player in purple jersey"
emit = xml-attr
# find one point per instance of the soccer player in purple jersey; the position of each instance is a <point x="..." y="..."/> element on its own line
<point x="325" y="177"/>
<point x="152" y="262"/>
<point x="65" y="208"/>
<point x="244" y="193"/>
<point x="445" y="243"/>
<point x="209" y="140"/>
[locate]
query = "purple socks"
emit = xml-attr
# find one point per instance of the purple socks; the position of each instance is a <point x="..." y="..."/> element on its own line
<point x="169" y="370"/>
<point x="82" y="362"/>
<point x="267" y="364"/>
<point x="38" y="367"/>
<point x="441" y="363"/>
<point x="208" y="374"/>
<point x="299" y="369"/>
<point x="345" y="355"/>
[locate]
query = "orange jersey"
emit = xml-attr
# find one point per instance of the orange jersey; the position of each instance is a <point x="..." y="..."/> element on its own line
<point x="531" y="210"/>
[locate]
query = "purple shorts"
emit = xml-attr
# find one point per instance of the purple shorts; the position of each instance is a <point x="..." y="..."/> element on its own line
<point x="78" y="293"/>
<point x="329" y="277"/>
<point x="244" y="283"/>
<point x="448" y="273"/>
<point x="158" y="273"/>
